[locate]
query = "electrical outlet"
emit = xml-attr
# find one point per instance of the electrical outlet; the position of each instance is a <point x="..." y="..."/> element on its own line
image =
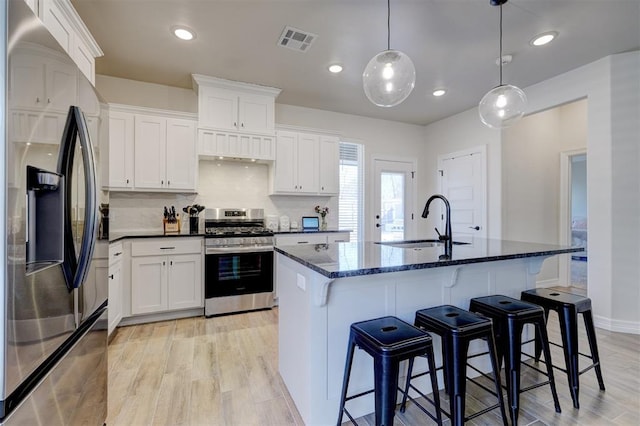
<point x="301" y="282"/>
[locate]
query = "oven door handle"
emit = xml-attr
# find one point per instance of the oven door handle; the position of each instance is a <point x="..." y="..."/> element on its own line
<point x="245" y="249"/>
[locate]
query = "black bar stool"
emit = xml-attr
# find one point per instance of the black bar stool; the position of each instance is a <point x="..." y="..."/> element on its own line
<point x="509" y="317"/>
<point x="568" y="306"/>
<point x="389" y="341"/>
<point x="457" y="328"/>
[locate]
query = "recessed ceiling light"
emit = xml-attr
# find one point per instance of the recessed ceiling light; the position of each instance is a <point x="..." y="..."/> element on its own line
<point x="183" y="33"/>
<point x="439" y="92"/>
<point x="542" y="39"/>
<point x="335" y="68"/>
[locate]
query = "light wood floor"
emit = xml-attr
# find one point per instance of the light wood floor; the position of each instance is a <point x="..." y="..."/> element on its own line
<point x="223" y="371"/>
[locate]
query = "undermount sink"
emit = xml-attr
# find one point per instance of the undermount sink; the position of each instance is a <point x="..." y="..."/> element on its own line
<point x="416" y="244"/>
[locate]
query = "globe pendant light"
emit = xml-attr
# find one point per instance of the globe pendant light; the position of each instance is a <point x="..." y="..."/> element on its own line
<point x="505" y="104"/>
<point x="390" y="75"/>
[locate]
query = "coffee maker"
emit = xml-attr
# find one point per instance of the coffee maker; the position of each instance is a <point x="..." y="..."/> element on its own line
<point x="193" y="211"/>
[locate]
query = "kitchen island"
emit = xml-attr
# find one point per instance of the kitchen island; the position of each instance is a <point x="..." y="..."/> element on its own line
<point x="323" y="288"/>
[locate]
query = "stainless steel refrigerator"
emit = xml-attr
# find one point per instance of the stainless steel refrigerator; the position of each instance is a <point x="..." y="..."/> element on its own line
<point x="53" y="320"/>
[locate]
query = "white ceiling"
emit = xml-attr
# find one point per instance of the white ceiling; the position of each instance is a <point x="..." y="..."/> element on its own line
<point x="453" y="44"/>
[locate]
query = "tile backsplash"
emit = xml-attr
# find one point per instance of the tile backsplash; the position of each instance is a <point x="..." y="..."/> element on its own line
<point x="221" y="184"/>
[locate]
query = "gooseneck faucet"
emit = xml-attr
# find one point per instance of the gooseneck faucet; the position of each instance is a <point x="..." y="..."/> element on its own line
<point x="447" y="238"/>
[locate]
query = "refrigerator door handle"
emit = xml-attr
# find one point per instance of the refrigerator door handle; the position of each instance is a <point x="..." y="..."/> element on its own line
<point x="76" y="268"/>
<point x="90" y="234"/>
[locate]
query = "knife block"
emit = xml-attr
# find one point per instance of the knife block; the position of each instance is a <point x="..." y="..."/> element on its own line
<point x="171" y="227"/>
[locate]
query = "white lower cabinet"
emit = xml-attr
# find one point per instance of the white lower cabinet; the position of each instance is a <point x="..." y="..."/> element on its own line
<point x="116" y="289"/>
<point x="165" y="282"/>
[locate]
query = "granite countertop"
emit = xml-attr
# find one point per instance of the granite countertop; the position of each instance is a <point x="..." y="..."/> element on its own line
<point x="342" y="260"/>
<point x="117" y="236"/>
<point x="309" y="231"/>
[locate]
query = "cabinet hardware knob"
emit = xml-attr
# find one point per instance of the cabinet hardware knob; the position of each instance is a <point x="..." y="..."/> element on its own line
<point x="169" y="182"/>
<point x="111" y="276"/>
<point x="171" y="262"/>
<point x="241" y="124"/>
<point x="117" y="254"/>
<point x="48" y="100"/>
<point x="164" y="263"/>
<point x="161" y="182"/>
<point x="235" y="124"/>
<point x="37" y="100"/>
<point x="127" y="180"/>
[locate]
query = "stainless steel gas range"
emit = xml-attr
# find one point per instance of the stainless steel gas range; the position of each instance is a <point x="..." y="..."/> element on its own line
<point x="238" y="261"/>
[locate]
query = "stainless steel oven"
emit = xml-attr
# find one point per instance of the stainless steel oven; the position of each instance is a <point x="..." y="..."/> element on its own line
<point x="238" y="261"/>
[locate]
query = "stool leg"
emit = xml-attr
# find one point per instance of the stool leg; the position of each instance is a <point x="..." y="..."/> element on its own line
<point x="347" y="373"/>
<point x="446" y="365"/>
<point x="458" y="373"/>
<point x="403" y="406"/>
<point x="434" y="384"/>
<point x="542" y="328"/>
<point x="496" y="375"/>
<point x="569" y="329"/>
<point x="593" y="345"/>
<point x="538" y="345"/>
<point x="386" y="389"/>
<point x="512" y="368"/>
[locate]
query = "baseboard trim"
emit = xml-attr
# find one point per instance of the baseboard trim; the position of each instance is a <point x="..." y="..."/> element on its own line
<point x="619" y="326"/>
<point x="163" y="316"/>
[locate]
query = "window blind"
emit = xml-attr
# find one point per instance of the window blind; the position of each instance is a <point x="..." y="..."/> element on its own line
<point x="351" y="200"/>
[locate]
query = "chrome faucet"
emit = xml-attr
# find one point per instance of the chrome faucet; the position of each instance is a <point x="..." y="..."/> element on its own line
<point x="447" y="238"/>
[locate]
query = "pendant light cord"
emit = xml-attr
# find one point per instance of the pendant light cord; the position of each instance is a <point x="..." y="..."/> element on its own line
<point x="500" y="57"/>
<point x="388" y="24"/>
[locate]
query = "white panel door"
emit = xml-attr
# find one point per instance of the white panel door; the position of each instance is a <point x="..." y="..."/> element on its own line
<point x="121" y="150"/>
<point x="463" y="182"/>
<point x="286" y="162"/>
<point x="307" y="163"/>
<point x="185" y="281"/>
<point x="393" y="200"/>
<point x="181" y="154"/>
<point x="148" y="284"/>
<point x="150" y="152"/>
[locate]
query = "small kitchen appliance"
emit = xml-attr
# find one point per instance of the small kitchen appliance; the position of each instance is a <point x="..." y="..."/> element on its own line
<point x="238" y="261"/>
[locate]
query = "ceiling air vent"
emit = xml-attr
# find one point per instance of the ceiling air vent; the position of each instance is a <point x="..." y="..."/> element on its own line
<point x="295" y="39"/>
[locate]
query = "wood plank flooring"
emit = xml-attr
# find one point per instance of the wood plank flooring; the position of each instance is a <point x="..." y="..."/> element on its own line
<point x="224" y="371"/>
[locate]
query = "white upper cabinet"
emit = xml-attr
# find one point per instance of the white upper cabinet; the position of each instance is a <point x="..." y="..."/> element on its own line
<point x="306" y="163"/>
<point x="43" y="80"/>
<point x="64" y="23"/>
<point x="232" y="106"/>
<point x="151" y="150"/>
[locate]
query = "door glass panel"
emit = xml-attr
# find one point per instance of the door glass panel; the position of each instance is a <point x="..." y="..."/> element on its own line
<point x="392" y="206"/>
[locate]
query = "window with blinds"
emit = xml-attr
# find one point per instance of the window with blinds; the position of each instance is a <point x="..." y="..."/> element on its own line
<point x="351" y="189"/>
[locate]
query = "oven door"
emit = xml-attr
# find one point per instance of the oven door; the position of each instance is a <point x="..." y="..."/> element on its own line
<point x="233" y="272"/>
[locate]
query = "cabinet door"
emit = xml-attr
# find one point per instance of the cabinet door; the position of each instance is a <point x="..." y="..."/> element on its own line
<point x="256" y="113"/>
<point x="121" y="150"/>
<point x="338" y="237"/>
<point x="27" y="82"/>
<point x="150" y="152"/>
<point x="57" y="24"/>
<point x="285" y="167"/>
<point x="61" y="86"/>
<point x="307" y="163"/>
<point x="218" y="108"/>
<point x="185" y="281"/>
<point x="329" y="173"/>
<point x="115" y="295"/>
<point x="181" y="154"/>
<point x="148" y="284"/>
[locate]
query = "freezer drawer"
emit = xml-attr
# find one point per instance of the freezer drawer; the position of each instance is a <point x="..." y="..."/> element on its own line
<point x="75" y="389"/>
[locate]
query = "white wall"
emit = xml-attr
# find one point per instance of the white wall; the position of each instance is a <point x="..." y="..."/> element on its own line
<point x="613" y="96"/>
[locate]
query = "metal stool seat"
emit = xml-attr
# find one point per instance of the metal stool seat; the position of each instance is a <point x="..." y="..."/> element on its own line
<point x="509" y="318"/>
<point x="389" y="341"/>
<point x="568" y="306"/>
<point x="457" y="328"/>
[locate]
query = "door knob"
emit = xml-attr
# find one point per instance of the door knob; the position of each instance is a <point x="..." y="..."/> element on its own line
<point x="477" y="228"/>
<point x="377" y="225"/>
<point x="377" y="216"/>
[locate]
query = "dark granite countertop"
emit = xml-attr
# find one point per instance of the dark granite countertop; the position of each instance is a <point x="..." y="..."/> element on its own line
<point x="341" y="260"/>
<point x="118" y="236"/>
<point x="310" y="231"/>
